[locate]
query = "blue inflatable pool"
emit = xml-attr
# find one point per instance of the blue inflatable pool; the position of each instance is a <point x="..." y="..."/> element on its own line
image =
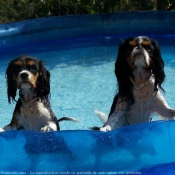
<point x="137" y="149"/>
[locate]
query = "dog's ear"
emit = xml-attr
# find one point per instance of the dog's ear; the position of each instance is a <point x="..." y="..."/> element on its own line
<point x="11" y="83"/>
<point x="122" y="69"/>
<point x="43" y="82"/>
<point x="113" y="104"/>
<point x="158" y="65"/>
<point x="123" y="72"/>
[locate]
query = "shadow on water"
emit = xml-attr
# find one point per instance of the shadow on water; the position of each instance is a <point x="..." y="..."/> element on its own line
<point x="80" y="51"/>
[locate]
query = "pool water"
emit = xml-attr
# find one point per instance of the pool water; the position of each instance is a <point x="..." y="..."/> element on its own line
<point x="82" y="76"/>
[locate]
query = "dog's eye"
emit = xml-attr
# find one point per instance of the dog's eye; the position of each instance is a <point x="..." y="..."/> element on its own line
<point x="128" y="52"/>
<point x="33" y="68"/>
<point x="131" y="48"/>
<point x="17" y="70"/>
<point x="148" y="49"/>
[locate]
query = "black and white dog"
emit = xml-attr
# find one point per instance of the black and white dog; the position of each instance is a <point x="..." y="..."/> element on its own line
<point x="33" y="111"/>
<point x="139" y="70"/>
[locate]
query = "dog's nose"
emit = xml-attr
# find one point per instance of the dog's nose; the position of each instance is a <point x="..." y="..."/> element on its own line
<point x="24" y="75"/>
<point x="139" y="47"/>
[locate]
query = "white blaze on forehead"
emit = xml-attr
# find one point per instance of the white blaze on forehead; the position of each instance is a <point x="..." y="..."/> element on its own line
<point x="140" y="40"/>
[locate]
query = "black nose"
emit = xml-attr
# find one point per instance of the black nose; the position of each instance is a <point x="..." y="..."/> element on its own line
<point x="24" y="75"/>
<point x="139" y="47"/>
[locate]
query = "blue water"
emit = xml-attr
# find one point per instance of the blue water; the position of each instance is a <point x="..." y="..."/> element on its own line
<point x="79" y="73"/>
<point x="82" y="80"/>
<point x="82" y="76"/>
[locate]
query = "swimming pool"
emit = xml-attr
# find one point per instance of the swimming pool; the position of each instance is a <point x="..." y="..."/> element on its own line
<point x="80" y="52"/>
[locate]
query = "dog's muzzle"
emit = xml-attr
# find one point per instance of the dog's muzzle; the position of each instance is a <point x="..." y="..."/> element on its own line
<point x="24" y="79"/>
<point x="140" y="56"/>
<point x="24" y="75"/>
<point x="138" y="51"/>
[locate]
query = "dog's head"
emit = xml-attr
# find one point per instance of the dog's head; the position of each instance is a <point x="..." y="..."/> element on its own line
<point x="138" y="55"/>
<point x="26" y="72"/>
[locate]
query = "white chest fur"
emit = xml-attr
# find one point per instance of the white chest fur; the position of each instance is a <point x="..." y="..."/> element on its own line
<point x="34" y="116"/>
<point x="146" y="101"/>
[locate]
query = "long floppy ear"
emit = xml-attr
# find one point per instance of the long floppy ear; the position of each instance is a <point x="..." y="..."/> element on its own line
<point x="43" y="82"/>
<point x="11" y="83"/>
<point x="123" y="72"/>
<point x="158" y="65"/>
<point x="113" y="105"/>
<point x="122" y="69"/>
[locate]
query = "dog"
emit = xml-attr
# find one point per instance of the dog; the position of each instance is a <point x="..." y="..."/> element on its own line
<point x="32" y="111"/>
<point x="139" y="70"/>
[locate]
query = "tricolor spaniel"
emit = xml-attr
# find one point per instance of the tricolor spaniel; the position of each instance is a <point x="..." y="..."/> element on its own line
<point x="139" y="70"/>
<point x="32" y="111"/>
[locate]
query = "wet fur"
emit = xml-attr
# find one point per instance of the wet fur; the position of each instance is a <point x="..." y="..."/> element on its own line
<point x="139" y="70"/>
<point x="32" y="111"/>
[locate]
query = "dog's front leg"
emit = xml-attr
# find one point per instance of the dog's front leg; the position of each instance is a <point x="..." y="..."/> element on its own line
<point x="9" y="127"/>
<point x="115" y="120"/>
<point x="162" y="107"/>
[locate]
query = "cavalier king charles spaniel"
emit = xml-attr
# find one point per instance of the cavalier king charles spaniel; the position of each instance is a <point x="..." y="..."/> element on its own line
<point x="139" y="70"/>
<point x="33" y="111"/>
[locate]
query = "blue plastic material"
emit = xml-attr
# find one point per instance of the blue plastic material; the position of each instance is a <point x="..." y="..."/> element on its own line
<point x="137" y="148"/>
<point x="79" y="26"/>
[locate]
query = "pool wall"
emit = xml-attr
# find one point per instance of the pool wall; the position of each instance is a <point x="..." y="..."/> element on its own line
<point x="136" y="149"/>
<point x="13" y="35"/>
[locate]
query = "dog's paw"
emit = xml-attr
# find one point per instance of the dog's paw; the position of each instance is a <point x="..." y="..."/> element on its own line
<point x="2" y="130"/>
<point x="106" y="128"/>
<point x="47" y="129"/>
